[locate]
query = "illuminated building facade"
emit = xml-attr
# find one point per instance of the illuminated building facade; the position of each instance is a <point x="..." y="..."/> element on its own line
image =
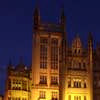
<point x="58" y="71"/>
<point x="18" y="84"/>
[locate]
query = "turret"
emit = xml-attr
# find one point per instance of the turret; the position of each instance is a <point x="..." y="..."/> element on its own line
<point x="63" y="21"/>
<point x="90" y="41"/>
<point x="36" y="17"/>
<point x="10" y="66"/>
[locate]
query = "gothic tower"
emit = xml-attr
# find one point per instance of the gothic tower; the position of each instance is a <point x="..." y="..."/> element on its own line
<point x="47" y="41"/>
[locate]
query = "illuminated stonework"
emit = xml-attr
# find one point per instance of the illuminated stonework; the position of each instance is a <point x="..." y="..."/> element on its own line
<point x="18" y="83"/>
<point x="58" y="71"/>
<point x="57" y="68"/>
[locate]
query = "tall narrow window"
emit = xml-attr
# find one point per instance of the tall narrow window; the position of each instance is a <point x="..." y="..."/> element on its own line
<point x="79" y="84"/>
<point x="85" y="85"/>
<point x="69" y="83"/>
<point x="54" y="54"/>
<point x="43" y="52"/>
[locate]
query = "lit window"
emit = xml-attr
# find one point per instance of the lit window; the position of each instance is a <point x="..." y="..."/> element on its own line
<point x="54" y="80"/>
<point x="43" y="52"/>
<point x="75" y="84"/>
<point x="54" y="54"/>
<point x="42" y="94"/>
<point x="54" y="95"/>
<point x="43" y="79"/>
<point x="79" y="84"/>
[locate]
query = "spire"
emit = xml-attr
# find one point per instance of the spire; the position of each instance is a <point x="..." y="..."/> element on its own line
<point x="36" y="15"/>
<point x="63" y="17"/>
<point x="10" y="66"/>
<point x="90" y="37"/>
<point x="63" y="21"/>
<point x="90" y="40"/>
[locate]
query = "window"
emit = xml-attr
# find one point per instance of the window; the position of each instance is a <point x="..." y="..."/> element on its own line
<point x="85" y="85"/>
<point x="69" y="83"/>
<point x="77" y="97"/>
<point x="54" y="95"/>
<point x="77" y="84"/>
<point x="54" y="80"/>
<point x="42" y="94"/>
<point x="43" y="79"/>
<point x="43" y="52"/>
<point x="54" y="54"/>
<point x="24" y="85"/>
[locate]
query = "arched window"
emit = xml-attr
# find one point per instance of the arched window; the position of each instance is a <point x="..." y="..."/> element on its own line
<point x="69" y="83"/>
<point x="84" y="84"/>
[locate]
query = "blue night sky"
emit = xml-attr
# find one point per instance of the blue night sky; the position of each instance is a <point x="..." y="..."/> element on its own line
<point x="83" y="16"/>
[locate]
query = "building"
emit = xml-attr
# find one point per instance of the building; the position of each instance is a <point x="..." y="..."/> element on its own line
<point x="18" y="85"/>
<point x="59" y="71"/>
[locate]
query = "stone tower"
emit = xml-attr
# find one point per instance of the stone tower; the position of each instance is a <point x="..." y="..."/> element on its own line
<point x="47" y="43"/>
